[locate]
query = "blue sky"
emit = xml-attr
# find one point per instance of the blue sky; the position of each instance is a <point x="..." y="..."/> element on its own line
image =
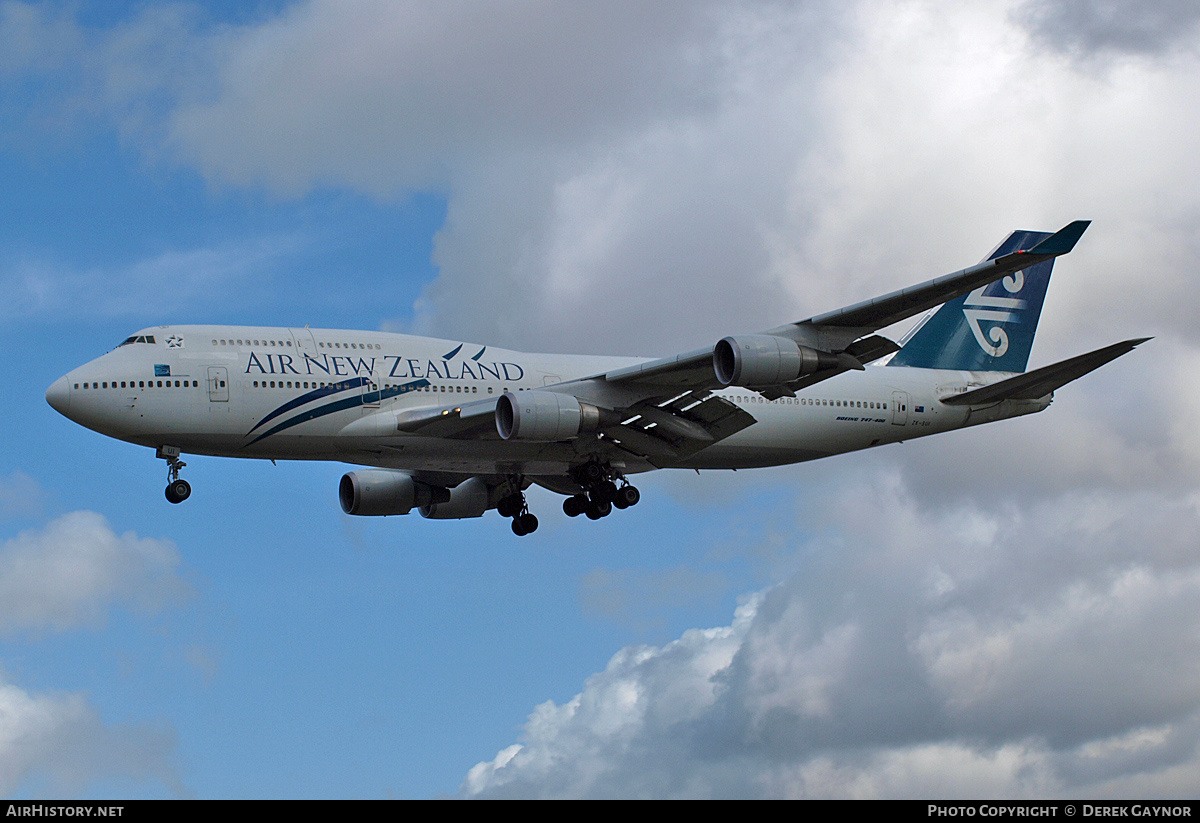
<point x="633" y="180"/>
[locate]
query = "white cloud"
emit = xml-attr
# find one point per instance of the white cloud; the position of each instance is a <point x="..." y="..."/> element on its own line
<point x="72" y="571"/>
<point x="1053" y="659"/>
<point x="59" y="742"/>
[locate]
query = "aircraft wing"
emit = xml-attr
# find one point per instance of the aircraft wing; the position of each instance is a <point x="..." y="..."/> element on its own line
<point x="837" y="333"/>
<point x="1040" y="382"/>
<point x="898" y="305"/>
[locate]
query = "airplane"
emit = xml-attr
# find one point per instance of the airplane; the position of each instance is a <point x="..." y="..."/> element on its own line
<point x="456" y="429"/>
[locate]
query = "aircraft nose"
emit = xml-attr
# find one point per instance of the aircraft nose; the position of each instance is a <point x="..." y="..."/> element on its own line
<point x="59" y="395"/>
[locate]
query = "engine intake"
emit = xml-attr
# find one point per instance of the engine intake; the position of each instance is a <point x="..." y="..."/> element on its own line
<point x="546" y="416"/>
<point x="382" y="492"/>
<point x="766" y="360"/>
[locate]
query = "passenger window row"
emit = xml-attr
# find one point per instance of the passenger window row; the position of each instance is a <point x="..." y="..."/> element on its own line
<point x="139" y="384"/>
<point x="280" y="343"/>
<point x="313" y="384"/>
<point x="806" y="401"/>
<point x="248" y="342"/>
<point x="852" y="404"/>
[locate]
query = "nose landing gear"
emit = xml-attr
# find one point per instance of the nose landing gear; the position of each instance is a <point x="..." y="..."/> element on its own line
<point x="178" y="489"/>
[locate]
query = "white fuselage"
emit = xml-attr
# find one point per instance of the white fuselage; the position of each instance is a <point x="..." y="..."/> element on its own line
<point x="279" y="393"/>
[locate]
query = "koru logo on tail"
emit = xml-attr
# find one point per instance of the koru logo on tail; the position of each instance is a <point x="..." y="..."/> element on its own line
<point x="994" y="310"/>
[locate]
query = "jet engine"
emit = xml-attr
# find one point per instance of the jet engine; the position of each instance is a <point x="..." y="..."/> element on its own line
<point x="765" y="360"/>
<point x="383" y="492"/>
<point x="547" y="416"/>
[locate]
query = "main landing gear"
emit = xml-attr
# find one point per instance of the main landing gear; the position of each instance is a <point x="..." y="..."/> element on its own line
<point x="601" y="492"/>
<point x="514" y="506"/>
<point x="178" y="489"/>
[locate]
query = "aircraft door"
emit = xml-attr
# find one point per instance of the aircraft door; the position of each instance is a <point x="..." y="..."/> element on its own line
<point x="371" y="386"/>
<point x="899" y="408"/>
<point x="305" y="345"/>
<point x="218" y="384"/>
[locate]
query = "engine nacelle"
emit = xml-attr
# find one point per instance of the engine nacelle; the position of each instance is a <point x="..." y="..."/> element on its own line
<point x="545" y="416"/>
<point x="383" y="492"/>
<point x="470" y="498"/>
<point x="765" y="360"/>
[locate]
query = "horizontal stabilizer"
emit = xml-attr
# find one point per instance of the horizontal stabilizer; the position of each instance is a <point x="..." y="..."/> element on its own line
<point x="1040" y="382"/>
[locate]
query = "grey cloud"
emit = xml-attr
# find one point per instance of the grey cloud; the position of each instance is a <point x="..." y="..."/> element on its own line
<point x="1087" y="27"/>
<point x="639" y="180"/>
<point x="383" y="95"/>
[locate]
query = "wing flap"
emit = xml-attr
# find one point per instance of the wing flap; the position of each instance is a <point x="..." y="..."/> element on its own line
<point x="1040" y="382"/>
<point x="679" y="426"/>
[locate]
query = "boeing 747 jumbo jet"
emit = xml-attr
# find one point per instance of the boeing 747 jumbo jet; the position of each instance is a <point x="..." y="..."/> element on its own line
<point x="455" y="429"/>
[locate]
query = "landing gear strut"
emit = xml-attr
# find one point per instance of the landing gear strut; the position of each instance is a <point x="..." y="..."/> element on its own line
<point x="600" y="492"/>
<point x="514" y="506"/>
<point x="178" y="489"/>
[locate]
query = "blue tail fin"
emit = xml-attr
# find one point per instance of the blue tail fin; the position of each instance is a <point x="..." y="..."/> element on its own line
<point x="990" y="329"/>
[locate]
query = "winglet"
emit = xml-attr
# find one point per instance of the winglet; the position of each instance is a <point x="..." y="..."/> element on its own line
<point x="1063" y="240"/>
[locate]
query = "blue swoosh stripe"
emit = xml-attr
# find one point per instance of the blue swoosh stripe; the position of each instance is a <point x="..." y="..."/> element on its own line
<point x="340" y="405"/>
<point x="332" y="388"/>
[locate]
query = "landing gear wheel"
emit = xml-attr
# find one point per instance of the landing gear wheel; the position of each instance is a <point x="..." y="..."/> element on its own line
<point x="178" y="491"/>
<point x="627" y="496"/>
<point x="524" y="524"/>
<point x="511" y="505"/>
<point x="575" y="505"/>
<point x="596" y="510"/>
<point x="604" y="492"/>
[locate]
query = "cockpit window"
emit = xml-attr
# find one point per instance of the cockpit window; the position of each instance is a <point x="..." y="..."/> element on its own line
<point x="138" y="338"/>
